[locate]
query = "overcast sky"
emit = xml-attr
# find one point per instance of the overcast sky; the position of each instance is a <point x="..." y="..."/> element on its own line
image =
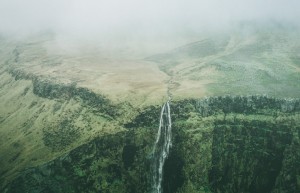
<point x="115" y="16"/>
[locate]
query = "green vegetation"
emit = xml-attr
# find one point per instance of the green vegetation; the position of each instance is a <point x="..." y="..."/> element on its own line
<point x="227" y="144"/>
<point x="73" y="123"/>
<point x="60" y="136"/>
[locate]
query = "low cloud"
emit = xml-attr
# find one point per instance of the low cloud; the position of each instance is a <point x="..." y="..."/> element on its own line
<point x="126" y="18"/>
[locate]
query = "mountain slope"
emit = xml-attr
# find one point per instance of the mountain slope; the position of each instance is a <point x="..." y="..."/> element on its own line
<point x="56" y="104"/>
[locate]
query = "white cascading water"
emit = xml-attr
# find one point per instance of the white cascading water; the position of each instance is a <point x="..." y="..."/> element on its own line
<point x="161" y="147"/>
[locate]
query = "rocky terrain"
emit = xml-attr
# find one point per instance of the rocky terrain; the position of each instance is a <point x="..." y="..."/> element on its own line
<point x="74" y="122"/>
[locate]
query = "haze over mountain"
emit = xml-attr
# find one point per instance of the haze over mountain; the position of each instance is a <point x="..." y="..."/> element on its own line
<point x="138" y="20"/>
<point x="82" y="84"/>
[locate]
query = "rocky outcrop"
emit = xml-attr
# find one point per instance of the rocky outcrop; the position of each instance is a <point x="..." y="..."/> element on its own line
<point x="52" y="90"/>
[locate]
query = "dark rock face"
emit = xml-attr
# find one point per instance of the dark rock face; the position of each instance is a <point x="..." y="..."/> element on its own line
<point x="247" y="156"/>
<point x="128" y="155"/>
<point x="173" y="174"/>
<point x="220" y="144"/>
<point x="51" y="90"/>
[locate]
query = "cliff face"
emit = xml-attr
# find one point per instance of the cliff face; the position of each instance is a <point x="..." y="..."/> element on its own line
<point x="220" y="144"/>
<point x="82" y="122"/>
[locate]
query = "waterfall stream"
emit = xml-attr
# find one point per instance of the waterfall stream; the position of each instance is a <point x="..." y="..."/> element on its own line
<point x="161" y="147"/>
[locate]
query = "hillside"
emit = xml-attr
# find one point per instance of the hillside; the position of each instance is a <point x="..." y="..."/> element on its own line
<point x="88" y="119"/>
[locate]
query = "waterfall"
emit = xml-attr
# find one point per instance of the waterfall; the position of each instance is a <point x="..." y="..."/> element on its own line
<point x="161" y="147"/>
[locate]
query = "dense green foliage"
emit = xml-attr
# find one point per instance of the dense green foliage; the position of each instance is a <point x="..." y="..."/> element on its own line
<point x="220" y="144"/>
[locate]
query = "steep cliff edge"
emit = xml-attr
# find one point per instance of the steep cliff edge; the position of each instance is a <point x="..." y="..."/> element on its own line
<point x="220" y="144"/>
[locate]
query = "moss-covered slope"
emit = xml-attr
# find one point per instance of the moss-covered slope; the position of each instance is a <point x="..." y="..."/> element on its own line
<point x="220" y="144"/>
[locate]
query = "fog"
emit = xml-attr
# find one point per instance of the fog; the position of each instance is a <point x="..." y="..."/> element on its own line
<point x="91" y="17"/>
<point x="132" y="20"/>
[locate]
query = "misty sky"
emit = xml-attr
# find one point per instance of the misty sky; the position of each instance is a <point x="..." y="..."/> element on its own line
<point x="91" y="17"/>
